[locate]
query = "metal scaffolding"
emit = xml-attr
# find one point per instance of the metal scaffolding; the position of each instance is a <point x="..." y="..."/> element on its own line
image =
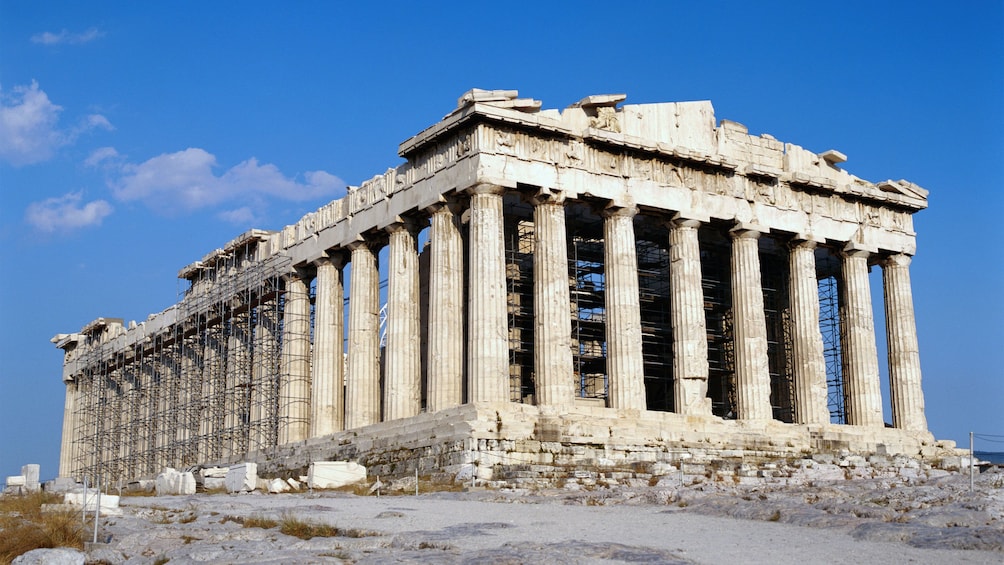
<point x="828" y="270"/>
<point x="203" y="388"/>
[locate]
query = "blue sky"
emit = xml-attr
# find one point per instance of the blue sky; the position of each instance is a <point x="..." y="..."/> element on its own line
<point x="135" y="137"/>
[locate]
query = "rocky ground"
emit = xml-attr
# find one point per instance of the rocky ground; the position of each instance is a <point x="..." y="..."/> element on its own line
<point x="886" y="520"/>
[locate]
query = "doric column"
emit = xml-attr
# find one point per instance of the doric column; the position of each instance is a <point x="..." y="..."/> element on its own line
<point x="808" y="363"/>
<point x="362" y="383"/>
<point x="403" y="365"/>
<point x="750" y="327"/>
<point x="487" y="326"/>
<point x="66" y="454"/>
<point x="294" y="374"/>
<point x="238" y="375"/>
<point x="327" y="373"/>
<point x="860" y="355"/>
<point x="625" y="365"/>
<point x="266" y="346"/>
<point x="446" y="322"/>
<point x="686" y="304"/>
<point x="212" y="368"/>
<point x="905" y="391"/>
<point x="552" y="326"/>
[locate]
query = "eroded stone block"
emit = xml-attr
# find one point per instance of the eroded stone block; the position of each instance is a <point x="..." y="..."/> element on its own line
<point x="242" y="478"/>
<point x="334" y="474"/>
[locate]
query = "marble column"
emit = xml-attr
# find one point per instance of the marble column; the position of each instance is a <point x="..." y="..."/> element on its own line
<point x="294" y="374"/>
<point x="327" y="373"/>
<point x="266" y="346"/>
<point x="488" y="323"/>
<point x="403" y="365"/>
<point x="749" y="327"/>
<point x="552" y="333"/>
<point x="67" y="459"/>
<point x="686" y="304"/>
<point x="808" y="364"/>
<point x="362" y="382"/>
<point x="446" y="322"/>
<point x="860" y="355"/>
<point x="238" y="375"/>
<point x="905" y="392"/>
<point x="625" y="365"/>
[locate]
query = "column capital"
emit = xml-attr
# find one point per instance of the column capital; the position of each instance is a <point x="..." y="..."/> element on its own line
<point x="486" y="188"/>
<point x="546" y="195"/>
<point x="896" y="260"/>
<point x="614" y="210"/>
<point x="334" y="257"/>
<point x="805" y="238"/>
<point x="373" y="240"/>
<point x="681" y="220"/>
<point x="297" y="274"/>
<point x="858" y="249"/>
<point x="854" y="249"/>
<point x="798" y="242"/>
<point x="747" y="230"/>
<point x="445" y="202"/>
<point x="401" y="223"/>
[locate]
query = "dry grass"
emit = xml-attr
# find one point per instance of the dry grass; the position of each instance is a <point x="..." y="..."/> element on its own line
<point x="25" y="527"/>
<point x="262" y="522"/>
<point x="138" y="493"/>
<point x="306" y="529"/>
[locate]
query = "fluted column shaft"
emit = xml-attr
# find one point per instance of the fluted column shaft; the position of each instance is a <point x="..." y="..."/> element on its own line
<point x="905" y="391"/>
<point x="808" y="363"/>
<point x="488" y="333"/>
<point x="403" y="366"/>
<point x="238" y="374"/>
<point x="750" y="328"/>
<point x="861" y="372"/>
<point x="294" y="375"/>
<point x="327" y="415"/>
<point x="625" y="364"/>
<point x="690" y="334"/>
<point x="446" y="323"/>
<point x="66" y="454"/>
<point x="262" y="383"/>
<point x="362" y="383"/>
<point x="552" y="335"/>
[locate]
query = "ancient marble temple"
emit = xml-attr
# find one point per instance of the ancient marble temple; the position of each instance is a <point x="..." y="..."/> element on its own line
<point x="608" y="282"/>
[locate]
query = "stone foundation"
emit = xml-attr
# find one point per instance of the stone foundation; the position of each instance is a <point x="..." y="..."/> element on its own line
<point x="518" y="444"/>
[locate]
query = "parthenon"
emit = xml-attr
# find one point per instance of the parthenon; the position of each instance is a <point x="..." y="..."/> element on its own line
<point x="535" y="286"/>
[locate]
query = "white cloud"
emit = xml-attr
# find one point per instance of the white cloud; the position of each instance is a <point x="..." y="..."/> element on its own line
<point x="29" y="126"/>
<point x="28" y="132"/>
<point x="66" y="213"/>
<point x="99" y="121"/>
<point x="101" y="155"/>
<point x="241" y="216"/>
<point x="186" y="180"/>
<point x="67" y="37"/>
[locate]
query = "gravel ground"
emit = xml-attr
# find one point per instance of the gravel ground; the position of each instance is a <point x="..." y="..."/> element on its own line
<point x="850" y="521"/>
